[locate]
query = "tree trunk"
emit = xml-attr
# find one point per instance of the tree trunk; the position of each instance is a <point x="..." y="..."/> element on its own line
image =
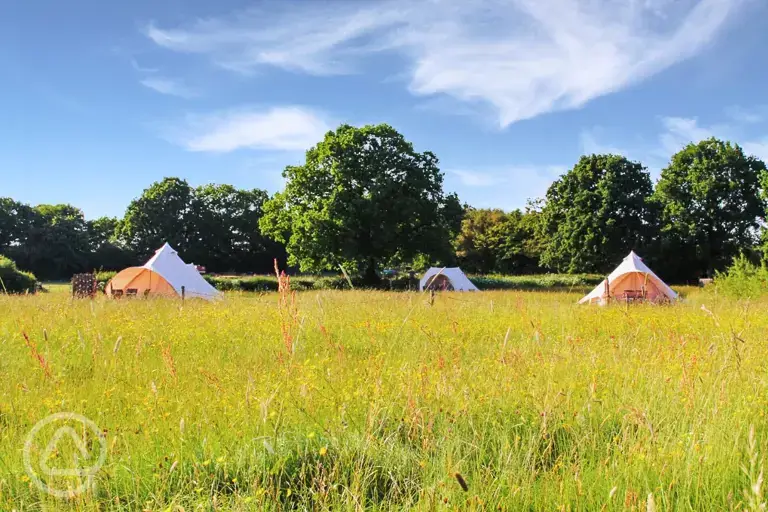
<point x="371" y="278"/>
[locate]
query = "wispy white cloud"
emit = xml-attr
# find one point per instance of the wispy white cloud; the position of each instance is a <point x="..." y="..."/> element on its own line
<point x="169" y="87"/>
<point x="141" y="69"/>
<point x="758" y="148"/>
<point x="520" y="183"/>
<point x="478" y="178"/>
<point x="746" y="115"/>
<point x="520" y="58"/>
<point x="291" y="128"/>
<point x="591" y="145"/>
<point x="680" y="131"/>
<point x="301" y="36"/>
<point x="677" y="132"/>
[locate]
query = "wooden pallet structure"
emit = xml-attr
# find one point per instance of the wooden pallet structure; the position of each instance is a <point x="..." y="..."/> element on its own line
<point x="84" y="286"/>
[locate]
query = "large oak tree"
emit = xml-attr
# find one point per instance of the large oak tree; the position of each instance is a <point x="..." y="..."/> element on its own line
<point x="596" y="213"/>
<point x="363" y="198"/>
<point x="711" y="203"/>
<point x="161" y="214"/>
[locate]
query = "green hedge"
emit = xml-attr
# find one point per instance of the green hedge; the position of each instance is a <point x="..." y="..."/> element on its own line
<point x="268" y="283"/>
<point x="257" y="283"/>
<point x="15" y="280"/>
<point x="341" y="283"/>
<point x="489" y="282"/>
<point x="536" y="281"/>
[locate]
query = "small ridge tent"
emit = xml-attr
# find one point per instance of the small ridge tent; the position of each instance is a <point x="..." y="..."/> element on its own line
<point x="446" y="279"/>
<point x="164" y="274"/>
<point x="632" y="280"/>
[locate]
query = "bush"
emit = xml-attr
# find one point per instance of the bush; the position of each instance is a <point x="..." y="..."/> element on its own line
<point x="257" y="283"/>
<point x="268" y="283"/>
<point x="243" y="284"/>
<point x="743" y="279"/>
<point x="105" y="276"/>
<point x="536" y="282"/>
<point x="331" y="283"/>
<point x="15" y="280"/>
<point x="399" y="282"/>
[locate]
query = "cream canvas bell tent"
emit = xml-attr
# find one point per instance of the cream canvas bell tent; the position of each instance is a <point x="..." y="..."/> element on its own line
<point x="164" y="274"/>
<point x="632" y="280"/>
<point x="446" y="279"/>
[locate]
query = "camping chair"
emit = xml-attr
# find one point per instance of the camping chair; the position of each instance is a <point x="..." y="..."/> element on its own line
<point x="131" y="292"/>
<point x="117" y="293"/>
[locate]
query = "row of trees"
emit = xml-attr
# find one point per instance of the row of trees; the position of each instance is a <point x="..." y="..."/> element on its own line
<point x="364" y="199"/>
<point x="55" y="240"/>
<point x="213" y="225"/>
<point x="707" y="207"/>
<point x="495" y="241"/>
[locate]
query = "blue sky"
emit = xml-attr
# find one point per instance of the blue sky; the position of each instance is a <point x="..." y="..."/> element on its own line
<point x="99" y="99"/>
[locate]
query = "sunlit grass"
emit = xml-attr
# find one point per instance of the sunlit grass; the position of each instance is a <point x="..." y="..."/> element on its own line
<point x="57" y="287"/>
<point x="378" y="400"/>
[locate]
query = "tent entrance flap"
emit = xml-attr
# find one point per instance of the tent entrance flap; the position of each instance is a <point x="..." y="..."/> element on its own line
<point x="139" y="281"/>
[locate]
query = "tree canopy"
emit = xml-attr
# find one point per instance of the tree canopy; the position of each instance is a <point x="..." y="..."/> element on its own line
<point x="710" y="202"/>
<point x="161" y="214"/>
<point x="596" y="213"/>
<point x="223" y="230"/>
<point x="15" y="221"/>
<point x="216" y="226"/>
<point x="363" y="198"/>
<point x="54" y="242"/>
<point x="492" y="240"/>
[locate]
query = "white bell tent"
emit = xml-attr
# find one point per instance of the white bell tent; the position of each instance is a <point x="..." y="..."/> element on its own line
<point x="632" y="280"/>
<point x="164" y="274"/>
<point x="168" y="264"/>
<point x="446" y="278"/>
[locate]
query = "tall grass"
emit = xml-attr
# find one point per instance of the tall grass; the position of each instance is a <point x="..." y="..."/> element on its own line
<point x="485" y="401"/>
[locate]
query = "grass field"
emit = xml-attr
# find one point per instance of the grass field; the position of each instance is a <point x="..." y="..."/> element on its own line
<point x="348" y="400"/>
